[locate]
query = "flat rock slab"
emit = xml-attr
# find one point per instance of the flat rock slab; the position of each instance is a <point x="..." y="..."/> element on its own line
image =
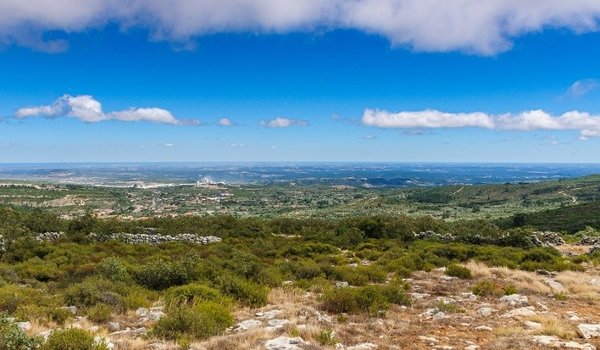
<point x="285" y="343"/>
<point x="588" y="331"/>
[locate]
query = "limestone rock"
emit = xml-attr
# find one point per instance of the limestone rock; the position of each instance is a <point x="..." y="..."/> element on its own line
<point x="520" y="312"/>
<point x="588" y="331"/>
<point x="515" y="299"/>
<point x="247" y="325"/>
<point x="285" y="343"/>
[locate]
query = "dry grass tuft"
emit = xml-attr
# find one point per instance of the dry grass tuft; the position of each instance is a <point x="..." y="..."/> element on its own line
<point x="250" y="340"/>
<point x="524" y="281"/>
<point x="577" y="283"/>
<point x="553" y="325"/>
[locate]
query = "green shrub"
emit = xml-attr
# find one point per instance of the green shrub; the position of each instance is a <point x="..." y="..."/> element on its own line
<point x="487" y="288"/>
<point x="72" y="339"/>
<point x="201" y="321"/>
<point x="191" y="294"/>
<point x="162" y="275"/>
<point x="340" y="300"/>
<point x="94" y="291"/>
<point x="242" y="290"/>
<point x="60" y="315"/>
<point x="100" y="313"/>
<point x="12" y="297"/>
<point x="113" y="269"/>
<point x="449" y="308"/>
<point x="12" y="338"/>
<point x="459" y="271"/>
<point x="510" y="289"/>
<point x="374" y="299"/>
<point x="327" y="338"/>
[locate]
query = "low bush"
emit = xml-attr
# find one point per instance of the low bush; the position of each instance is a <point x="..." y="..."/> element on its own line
<point x="162" y="275"/>
<point x="455" y="270"/>
<point x="201" y="321"/>
<point x="100" y="313"/>
<point x="60" y="315"/>
<point x="487" y="288"/>
<point x="242" y="290"/>
<point x="113" y="269"/>
<point x="12" y="338"/>
<point x="374" y="299"/>
<point x="192" y="294"/>
<point x="94" y="291"/>
<point x="72" y="339"/>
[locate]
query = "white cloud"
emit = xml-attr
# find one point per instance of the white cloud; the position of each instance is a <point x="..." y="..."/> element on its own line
<point x="425" y="119"/>
<point x="282" y="123"/>
<point x="87" y="109"/>
<point x="587" y="124"/>
<point x="225" y="122"/>
<point x="582" y="87"/>
<point x="483" y="27"/>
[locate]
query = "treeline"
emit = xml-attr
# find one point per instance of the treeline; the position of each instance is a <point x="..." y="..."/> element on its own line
<point x="341" y="233"/>
<point x="570" y="219"/>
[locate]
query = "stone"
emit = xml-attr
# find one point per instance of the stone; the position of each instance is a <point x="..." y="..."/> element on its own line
<point x="268" y="314"/>
<point x="468" y="296"/>
<point x="418" y="296"/>
<point x="24" y="326"/>
<point x="276" y="324"/>
<point x="485" y="311"/>
<point x="555" y="285"/>
<point x="533" y="325"/>
<point x="520" y="312"/>
<point x="113" y="326"/>
<point x="429" y="312"/>
<point x="514" y="299"/>
<point x="45" y="334"/>
<point x="472" y="347"/>
<point x="552" y="341"/>
<point x="285" y="343"/>
<point x="430" y="340"/>
<point x="155" y="315"/>
<point x="144" y="238"/>
<point x="323" y="318"/>
<point x="546" y="340"/>
<point x="439" y="316"/>
<point x="363" y="346"/>
<point x="587" y="330"/>
<point x="141" y="312"/>
<point x="71" y="309"/>
<point x="341" y="284"/>
<point x="94" y="329"/>
<point x="247" y="325"/>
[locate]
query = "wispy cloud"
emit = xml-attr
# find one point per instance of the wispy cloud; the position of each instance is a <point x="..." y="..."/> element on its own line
<point x="89" y="110"/>
<point x="587" y="124"/>
<point x="474" y="26"/>
<point x="225" y="122"/>
<point x="282" y="123"/>
<point x="582" y="87"/>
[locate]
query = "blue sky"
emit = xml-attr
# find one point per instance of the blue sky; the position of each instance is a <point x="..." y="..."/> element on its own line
<point x="297" y="93"/>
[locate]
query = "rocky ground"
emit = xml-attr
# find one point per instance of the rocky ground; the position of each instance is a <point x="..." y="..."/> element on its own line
<point x="551" y="310"/>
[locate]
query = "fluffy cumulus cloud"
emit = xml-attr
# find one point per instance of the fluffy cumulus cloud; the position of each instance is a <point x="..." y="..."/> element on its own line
<point x="87" y="109"/>
<point x="587" y="124"/>
<point x="482" y="27"/>
<point x="282" y="123"/>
